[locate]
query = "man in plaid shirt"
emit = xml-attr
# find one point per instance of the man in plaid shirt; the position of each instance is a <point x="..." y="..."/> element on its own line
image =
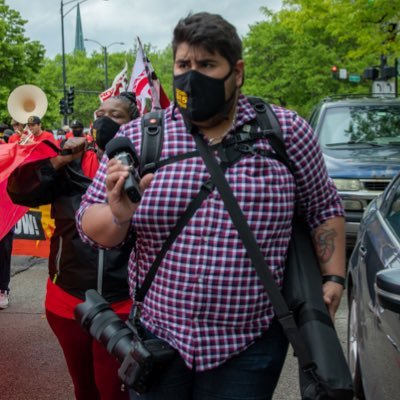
<point x="206" y="299"/>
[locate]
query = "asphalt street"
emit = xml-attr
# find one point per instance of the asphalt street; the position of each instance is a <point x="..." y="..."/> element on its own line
<point x="31" y="362"/>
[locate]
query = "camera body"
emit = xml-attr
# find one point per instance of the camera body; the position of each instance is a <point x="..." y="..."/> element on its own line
<point x="143" y="361"/>
<point x="140" y="358"/>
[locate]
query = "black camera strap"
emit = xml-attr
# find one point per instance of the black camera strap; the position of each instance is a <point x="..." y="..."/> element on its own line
<point x="282" y="311"/>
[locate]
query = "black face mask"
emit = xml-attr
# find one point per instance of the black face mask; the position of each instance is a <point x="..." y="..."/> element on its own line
<point x="200" y="97"/>
<point x="104" y="129"/>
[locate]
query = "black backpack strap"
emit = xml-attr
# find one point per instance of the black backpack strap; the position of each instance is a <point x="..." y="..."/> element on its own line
<point x="152" y="140"/>
<point x="152" y="143"/>
<point x="268" y="121"/>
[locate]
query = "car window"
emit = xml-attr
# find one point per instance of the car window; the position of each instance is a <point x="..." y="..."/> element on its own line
<point x="361" y="124"/>
<point x="393" y="214"/>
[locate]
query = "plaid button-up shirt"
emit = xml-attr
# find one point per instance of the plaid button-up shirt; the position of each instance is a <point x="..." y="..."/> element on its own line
<point x="206" y="299"/>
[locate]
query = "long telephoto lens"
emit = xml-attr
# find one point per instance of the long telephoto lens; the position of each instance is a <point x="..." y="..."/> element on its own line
<point x="96" y="316"/>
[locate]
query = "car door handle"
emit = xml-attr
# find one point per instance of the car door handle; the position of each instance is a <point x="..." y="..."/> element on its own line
<point x="362" y="251"/>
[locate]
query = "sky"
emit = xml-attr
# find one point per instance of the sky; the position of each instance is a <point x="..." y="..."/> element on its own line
<point x="108" y="21"/>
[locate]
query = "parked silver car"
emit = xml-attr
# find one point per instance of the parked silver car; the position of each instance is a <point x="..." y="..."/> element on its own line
<point x="374" y="299"/>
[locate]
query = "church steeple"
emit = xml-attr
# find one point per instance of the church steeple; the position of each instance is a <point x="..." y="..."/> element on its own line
<point x="79" y="46"/>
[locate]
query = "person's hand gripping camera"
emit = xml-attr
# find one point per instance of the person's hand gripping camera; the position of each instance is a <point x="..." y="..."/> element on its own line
<point x="123" y="182"/>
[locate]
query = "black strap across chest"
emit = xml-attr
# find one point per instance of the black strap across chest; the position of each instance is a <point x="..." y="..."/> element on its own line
<point x="230" y="151"/>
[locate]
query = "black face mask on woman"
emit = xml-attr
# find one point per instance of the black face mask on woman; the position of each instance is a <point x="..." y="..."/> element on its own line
<point x="104" y="129"/>
<point x="200" y="97"/>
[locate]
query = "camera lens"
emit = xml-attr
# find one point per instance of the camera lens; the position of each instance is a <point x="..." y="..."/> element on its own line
<point x="96" y="316"/>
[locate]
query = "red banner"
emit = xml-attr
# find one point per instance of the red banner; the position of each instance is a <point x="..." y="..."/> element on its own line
<point x="119" y="85"/>
<point x="11" y="156"/>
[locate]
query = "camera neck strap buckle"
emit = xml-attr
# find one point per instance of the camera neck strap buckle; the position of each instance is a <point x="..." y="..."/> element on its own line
<point x="136" y="311"/>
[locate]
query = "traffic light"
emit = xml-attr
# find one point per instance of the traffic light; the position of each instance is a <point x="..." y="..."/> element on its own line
<point x="70" y="100"/>
<point x="388" y="72"/>
<point x="335" y="72"/>
<point x="371" y="73"/>
<point x="63" y="108"/>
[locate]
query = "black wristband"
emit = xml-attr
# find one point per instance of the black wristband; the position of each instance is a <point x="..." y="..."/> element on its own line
<point x="334" y="278"/>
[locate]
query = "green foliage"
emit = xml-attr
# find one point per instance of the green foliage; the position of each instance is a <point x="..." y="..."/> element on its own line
<point x="289" y="55"/>
<point x="87" y="74"/>
<point x="24" y="62"/>
<point x="21" y="59"/>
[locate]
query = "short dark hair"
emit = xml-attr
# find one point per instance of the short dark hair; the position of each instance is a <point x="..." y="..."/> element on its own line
<point x="210" y="31"/>
<point x="130" y="98"/>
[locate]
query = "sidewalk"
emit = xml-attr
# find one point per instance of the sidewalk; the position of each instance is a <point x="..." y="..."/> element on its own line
<point x="32" y="365"/>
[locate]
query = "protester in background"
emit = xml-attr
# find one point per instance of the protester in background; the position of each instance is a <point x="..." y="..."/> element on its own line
<point x="7" y="135"/>
<point x="108" y="119"/>
<point x="60" y="134"/>
<point x="5" y="243"/>
<point x="206" y="299"/>
<point x="35" y="132"/>
<point x="76" y="129"/>
<point x="3" y="127"/>
<point x="75" y="267"/>
<point x="18" y="128"/>
<point x="66" y="129"/>
<point x="5" y="268"/>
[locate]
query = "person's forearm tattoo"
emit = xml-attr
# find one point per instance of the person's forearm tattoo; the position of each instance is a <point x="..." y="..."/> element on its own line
<point x="324" y="241"/>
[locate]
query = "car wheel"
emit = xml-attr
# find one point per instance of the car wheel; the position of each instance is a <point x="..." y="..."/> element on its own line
<point x="352" y="346"/>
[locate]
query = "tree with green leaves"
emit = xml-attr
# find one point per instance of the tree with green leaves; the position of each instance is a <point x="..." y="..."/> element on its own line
<point x="86" y="73"/>
<point x="24" y="62"/>
<point x="289" y="55"/>
<point x="21" y="59"/>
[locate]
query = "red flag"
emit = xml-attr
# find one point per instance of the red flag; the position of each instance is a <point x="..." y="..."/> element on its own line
<point x="11" y="156"/>
<point x="119" y="85"/>
<point x="145" y="84"/>
<point x="10" y="212"/>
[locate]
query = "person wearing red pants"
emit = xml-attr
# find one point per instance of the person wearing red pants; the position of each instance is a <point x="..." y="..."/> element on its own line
<point x="75" y="267"/>
<point x="92" y="369"/>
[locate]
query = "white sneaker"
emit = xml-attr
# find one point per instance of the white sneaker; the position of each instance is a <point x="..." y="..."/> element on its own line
<point x="3" y="299"/>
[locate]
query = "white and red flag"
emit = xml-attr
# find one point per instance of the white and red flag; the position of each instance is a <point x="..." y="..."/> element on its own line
<point x="144" y="83"/>
<point x="119" y="85"/>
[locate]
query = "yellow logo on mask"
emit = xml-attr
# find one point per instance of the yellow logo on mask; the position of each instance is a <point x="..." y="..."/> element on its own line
<point x="181" y="98"/>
